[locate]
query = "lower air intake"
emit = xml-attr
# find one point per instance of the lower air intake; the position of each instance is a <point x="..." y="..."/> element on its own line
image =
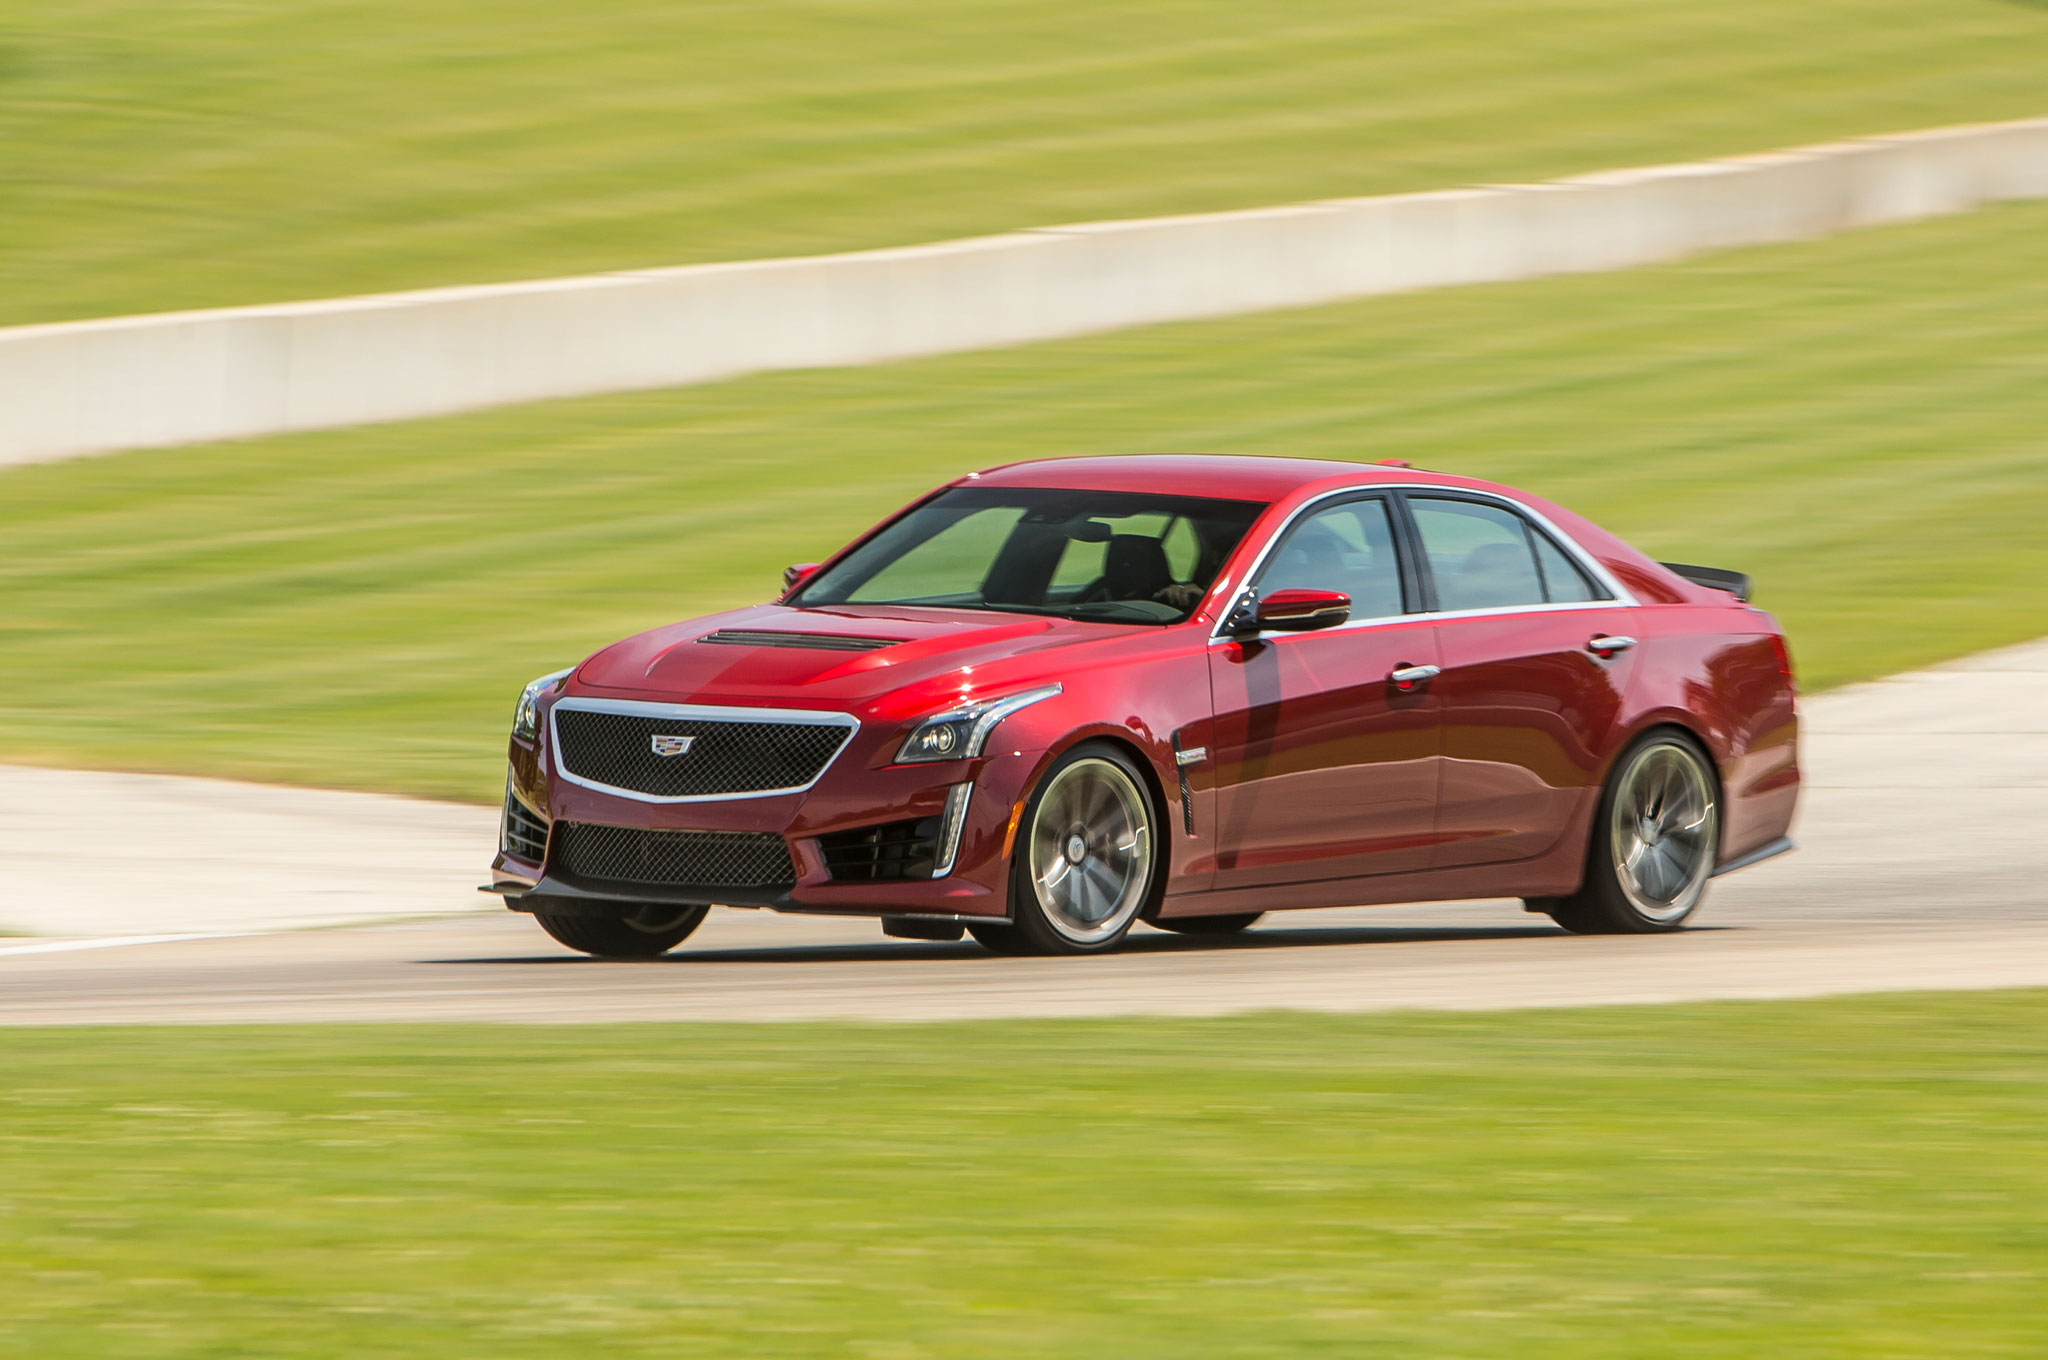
<point x="589" y="853"/>
<point x="891" y="852"/>
<point x="526" y="832"/>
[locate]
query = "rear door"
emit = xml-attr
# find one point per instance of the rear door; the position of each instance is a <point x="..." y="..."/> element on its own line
<point x="1529" y="700"/>
<point x="1324" y="767"/>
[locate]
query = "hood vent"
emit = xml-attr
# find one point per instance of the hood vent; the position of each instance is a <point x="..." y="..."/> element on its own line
<point x="821" y="642"/>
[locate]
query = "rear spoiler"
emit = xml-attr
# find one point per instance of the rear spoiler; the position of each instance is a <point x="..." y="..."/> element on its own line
<point x="1713" y="578"/>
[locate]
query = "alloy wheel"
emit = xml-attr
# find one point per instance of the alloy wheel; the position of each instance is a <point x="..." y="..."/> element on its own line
<point x="1090" y="851"/>
<point x="1664" y="831"/>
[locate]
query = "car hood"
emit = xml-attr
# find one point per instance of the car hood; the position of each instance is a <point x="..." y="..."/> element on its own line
<point x="847" y="654"/>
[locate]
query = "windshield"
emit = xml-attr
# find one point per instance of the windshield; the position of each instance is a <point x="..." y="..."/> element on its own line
<point x="1114" y="556"/>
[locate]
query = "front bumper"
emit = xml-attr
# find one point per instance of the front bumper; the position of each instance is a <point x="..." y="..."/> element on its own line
<point x="859" y="790"/>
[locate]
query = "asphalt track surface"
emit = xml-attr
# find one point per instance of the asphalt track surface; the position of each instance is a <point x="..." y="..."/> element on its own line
<point x="1923" y="864"/>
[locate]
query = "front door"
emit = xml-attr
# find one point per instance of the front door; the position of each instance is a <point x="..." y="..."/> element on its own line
<point x="1323" y="766"/>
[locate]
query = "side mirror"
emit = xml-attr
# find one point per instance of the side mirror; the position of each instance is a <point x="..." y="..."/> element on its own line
<point x="1302" y="611"/>
<point x="792" y="577"/>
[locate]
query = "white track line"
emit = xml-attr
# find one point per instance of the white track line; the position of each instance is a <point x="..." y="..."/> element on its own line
<point x="113" y="942"/>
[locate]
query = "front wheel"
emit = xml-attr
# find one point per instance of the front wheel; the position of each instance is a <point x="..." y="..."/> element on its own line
<point x="1087" y="859"/>
<point x="648" y="933"/>
<point x="1655" y="841"/>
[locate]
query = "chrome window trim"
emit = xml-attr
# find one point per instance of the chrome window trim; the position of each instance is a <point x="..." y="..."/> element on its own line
<point x="1565" y="542"/>
<point x="1272" y="635"/>
<point x="637" y="708"/>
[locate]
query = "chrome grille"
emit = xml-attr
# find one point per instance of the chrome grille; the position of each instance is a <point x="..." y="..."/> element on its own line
<point x="591" y="853"/>
<point x="614" y="748"/>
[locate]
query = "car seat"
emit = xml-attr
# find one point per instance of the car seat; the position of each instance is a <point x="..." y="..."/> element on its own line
<point x="1135" y="568"/>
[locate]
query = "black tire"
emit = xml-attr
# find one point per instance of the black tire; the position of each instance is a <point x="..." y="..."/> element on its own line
<point x="1656" y="838"/>
<point x="1209" y="925"/>
<point x="1091" y="831"/>
<point x="647" y="934"/>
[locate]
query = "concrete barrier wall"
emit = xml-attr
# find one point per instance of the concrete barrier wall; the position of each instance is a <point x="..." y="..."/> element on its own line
<point x="132" y="382"/>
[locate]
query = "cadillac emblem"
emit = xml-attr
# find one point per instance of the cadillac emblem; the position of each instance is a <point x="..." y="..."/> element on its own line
<point x="669" y="744"/>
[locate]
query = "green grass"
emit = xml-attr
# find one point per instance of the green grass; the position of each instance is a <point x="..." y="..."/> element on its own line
<point x="1850" y="1177"/>
<point x="1861" y="423"/>
<point x="194" y="153"/>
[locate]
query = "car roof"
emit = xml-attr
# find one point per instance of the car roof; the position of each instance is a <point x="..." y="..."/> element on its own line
<point x="1234" y="477"/>
<point x="1283" y="483"/>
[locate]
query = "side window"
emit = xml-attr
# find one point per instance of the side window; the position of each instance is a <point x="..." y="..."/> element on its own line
<point x="1564" y="581"/>
<point x="1347" y="547"/>
<point x="1480" y="555"/>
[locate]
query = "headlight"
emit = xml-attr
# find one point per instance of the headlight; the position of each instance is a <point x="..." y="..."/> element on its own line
<point x="960" y="733"/>
<point x="526" y="717"/>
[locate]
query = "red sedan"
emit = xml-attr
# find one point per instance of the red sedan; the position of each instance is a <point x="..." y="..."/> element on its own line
<point x="1050" y="700"/>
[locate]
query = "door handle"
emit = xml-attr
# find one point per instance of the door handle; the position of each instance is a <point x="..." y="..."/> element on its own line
<point x="1408" y="677"/>
<point x="1606" y="647"/>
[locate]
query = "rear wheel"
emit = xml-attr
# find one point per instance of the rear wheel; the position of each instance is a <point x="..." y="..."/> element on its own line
<point x="648" y="933"/>
<point x="1086" y="862"/>
<point x="1210" y="925"/>
<point x="1655" y="841"/>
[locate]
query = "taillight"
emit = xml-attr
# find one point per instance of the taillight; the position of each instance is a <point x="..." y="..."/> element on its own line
<point x="1784" y="662"/>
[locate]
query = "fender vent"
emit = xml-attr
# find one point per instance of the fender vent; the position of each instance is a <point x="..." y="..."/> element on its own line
<point x="818" y="642"/>
<point x="1187" y="790"/>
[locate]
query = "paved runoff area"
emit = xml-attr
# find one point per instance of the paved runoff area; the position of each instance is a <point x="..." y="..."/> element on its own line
<point x="1922" y="864"/>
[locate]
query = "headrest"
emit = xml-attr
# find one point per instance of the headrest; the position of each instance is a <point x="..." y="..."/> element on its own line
<point x="1134" y="567"/>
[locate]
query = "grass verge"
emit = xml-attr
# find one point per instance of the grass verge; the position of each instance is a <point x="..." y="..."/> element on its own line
<point x="210" y="152"/>
<point x="1811" y="1178"/>
<point x="1858" y="422"/>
